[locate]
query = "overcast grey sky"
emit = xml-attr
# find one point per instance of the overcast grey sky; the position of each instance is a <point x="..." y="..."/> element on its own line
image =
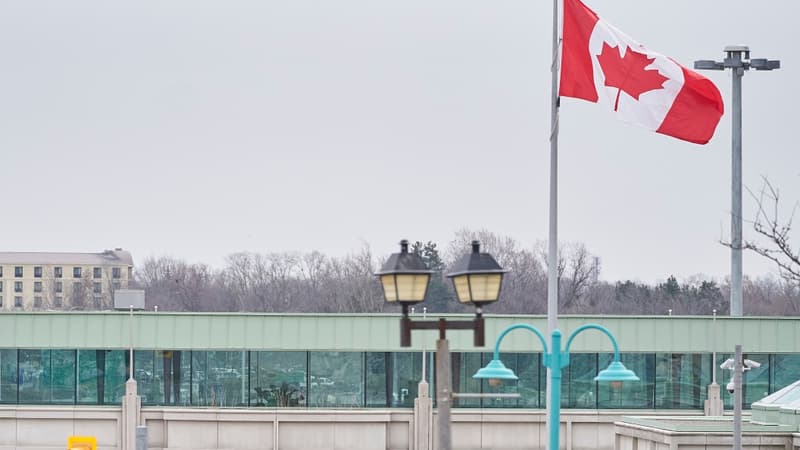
<point x="200" y="128"/>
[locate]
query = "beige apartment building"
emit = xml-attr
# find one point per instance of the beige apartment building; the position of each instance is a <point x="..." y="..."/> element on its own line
<point x="63" y="281"/>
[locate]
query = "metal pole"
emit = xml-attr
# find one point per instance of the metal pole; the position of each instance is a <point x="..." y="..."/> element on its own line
<point x="424" y="316"/>
<point x="714" y="347"/>
<point x="736" y="186"/>
<point x="130" y="345"/>
<point x="737" y="398"/>
<point x="444" y="389"/>
<point x="552" y="252"/>
<point x="555" y="391"/>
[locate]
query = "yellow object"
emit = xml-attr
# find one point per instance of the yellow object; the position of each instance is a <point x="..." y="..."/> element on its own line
<point x="82" y="442"/>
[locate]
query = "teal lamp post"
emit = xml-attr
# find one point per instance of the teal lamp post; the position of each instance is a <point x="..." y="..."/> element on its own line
<point x="556" y="360"/>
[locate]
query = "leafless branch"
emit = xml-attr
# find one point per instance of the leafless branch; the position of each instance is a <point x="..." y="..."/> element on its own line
<point x="775" y="233"/>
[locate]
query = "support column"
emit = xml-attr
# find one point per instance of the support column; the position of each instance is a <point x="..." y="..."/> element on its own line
<point x="737" y="398"/>
<point x="131" y="411"/>
<point x="713" y="404"/>
<point x="423" y="418"/>
<point x="444" y="392"/>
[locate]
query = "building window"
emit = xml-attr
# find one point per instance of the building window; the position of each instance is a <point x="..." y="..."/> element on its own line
<point x="97" y="272"/>
<point x="76" y="287"/>
<point x="98" y="302"/>
<point x="98" y="288"/>
<point x="37" y="301"/>
<point x="18" y="271"/>
<point x="18" y="302"/>
<point x="58" y="272"/>
<point x="1" y="271"/>
<point x="1" y="301"/>
<point x="1" y="286"/>
<point x="58" y="301"/>
<point x="37" y="286"/>
<point x="117" y="285"/>
<point x="37" y="272"/>
<point x="76" y="272"/>
<point x="59" y="287"/>
<point x="116" y="273"/>
<point x="18" y="286"/>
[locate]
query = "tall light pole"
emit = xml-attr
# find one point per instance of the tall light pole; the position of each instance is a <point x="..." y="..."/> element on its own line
<point x="737" y="58"/>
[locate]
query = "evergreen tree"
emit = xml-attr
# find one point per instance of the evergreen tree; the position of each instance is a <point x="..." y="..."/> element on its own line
<point x="439" y="297"/>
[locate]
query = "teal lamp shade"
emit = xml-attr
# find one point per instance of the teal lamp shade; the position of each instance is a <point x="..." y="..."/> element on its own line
<point x="616" y="371"/>
<point x="496" y="370"/>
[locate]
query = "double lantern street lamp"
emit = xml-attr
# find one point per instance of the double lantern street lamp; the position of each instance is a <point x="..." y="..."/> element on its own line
<point x="476" y="279"/>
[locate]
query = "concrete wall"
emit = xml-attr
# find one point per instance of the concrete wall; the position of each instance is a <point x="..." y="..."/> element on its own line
<point x="273" y="429"/>
<point x="369" y="429"/>
<point x="636" y="437"/>
<point x="47" y="428"/>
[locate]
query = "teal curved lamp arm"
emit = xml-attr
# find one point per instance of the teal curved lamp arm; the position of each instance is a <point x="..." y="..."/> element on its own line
<point x="593" y="326"/>
<point x="616" y="371"/>
<point x="512" y="328"/>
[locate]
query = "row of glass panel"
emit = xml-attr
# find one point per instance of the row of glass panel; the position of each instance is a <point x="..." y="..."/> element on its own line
<point x="363" y="379"/>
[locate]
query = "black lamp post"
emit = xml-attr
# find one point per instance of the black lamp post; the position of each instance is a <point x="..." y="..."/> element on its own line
<point x="476" y="278"/>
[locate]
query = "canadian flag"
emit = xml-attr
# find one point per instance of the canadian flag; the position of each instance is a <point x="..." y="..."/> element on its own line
<point x="601" y="64"/>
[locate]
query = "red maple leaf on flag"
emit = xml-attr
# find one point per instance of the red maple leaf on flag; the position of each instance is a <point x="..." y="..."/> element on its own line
<point x="628" y="73"/>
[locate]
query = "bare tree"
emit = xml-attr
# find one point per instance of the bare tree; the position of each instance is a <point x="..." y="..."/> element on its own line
<point x="578" y="270"/>
<point x="267" y="282"/>
<point x="350" y="284"/>
<point x="239" y="282"/>
<point x="524" y="286"/>
<point x="775" y="233"/>
<point x="771" y="296"/>
<point x="582" y="271"/>
<point x="174" y="284"/>
<point x="281" y="275"/>
<point x="312" y="268"/>
<point x="81" y="291"/>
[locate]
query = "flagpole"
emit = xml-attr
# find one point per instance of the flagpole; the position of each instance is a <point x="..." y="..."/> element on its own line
<point x="552" y="252"/>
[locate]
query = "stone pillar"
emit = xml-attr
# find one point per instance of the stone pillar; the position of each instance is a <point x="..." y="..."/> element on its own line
<point x="131" y="410"/>
<point x="423" y="418"/>
<point x="713" y="405"/>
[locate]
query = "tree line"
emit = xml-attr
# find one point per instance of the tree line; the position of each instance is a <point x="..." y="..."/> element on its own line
<point x="314" y="282"/>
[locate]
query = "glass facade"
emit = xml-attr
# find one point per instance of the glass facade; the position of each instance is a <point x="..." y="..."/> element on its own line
<point x="101" y="376"/>
<point x="316" y="379"/>
<point x="278" y="379"/>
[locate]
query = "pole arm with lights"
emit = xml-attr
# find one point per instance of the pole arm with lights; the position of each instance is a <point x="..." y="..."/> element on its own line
<point x="593" y="326"/>
<point x="555" y="360"/>
<point x="737" y="58"/>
